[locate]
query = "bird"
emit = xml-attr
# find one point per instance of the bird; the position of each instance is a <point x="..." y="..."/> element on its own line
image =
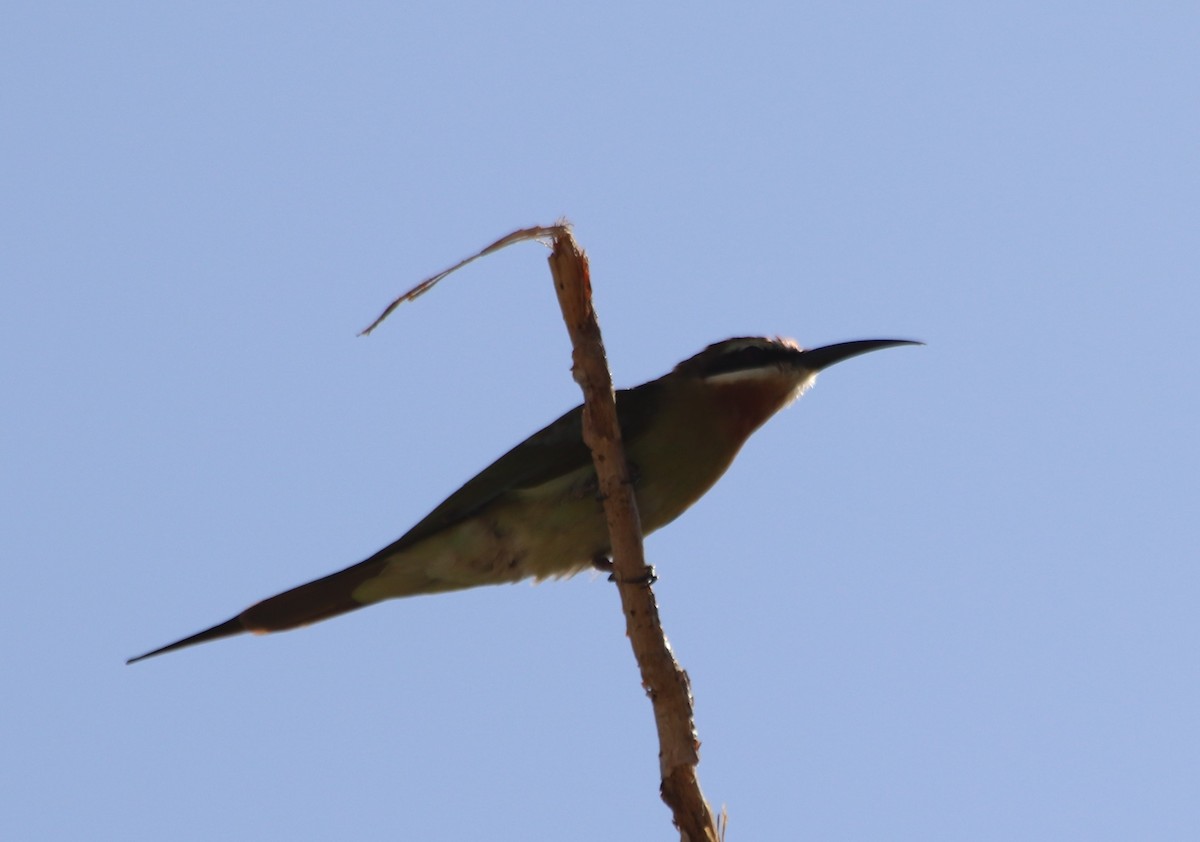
<point x="535" y="511"/>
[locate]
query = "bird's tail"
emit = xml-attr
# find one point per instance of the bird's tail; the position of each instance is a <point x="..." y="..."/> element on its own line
<point x="317" y="600"/>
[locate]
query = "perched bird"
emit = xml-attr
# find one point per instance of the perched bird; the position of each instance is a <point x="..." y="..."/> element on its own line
<point x="535" y="511"/>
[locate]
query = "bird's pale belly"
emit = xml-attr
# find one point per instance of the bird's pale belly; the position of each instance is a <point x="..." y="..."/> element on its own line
<point x="505" y="543"/>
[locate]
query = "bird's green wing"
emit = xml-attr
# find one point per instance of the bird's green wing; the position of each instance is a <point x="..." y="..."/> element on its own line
<point x="552" y="452"/>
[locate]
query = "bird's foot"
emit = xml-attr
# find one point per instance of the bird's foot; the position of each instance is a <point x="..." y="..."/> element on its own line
<point x="648" y="577"/>
<point x="605" y="565"/>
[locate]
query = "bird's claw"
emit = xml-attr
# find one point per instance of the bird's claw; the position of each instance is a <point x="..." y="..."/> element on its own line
<point x="605" y="565"/>
<point x="649" y="577"/>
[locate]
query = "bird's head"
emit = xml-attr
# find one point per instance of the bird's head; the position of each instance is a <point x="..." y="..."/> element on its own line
<point x="760" y="375"/>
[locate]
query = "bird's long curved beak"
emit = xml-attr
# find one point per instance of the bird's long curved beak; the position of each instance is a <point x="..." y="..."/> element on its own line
<point x="817" y="359"/>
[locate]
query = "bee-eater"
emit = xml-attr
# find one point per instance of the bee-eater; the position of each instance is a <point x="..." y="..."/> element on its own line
<point x="535" y="511"/>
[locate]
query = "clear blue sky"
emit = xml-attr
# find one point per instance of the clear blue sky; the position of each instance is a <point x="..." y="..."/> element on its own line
<point x="951" y="594"/>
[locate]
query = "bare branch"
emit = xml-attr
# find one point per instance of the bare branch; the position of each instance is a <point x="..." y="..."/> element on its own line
<point x="665" y="681"/>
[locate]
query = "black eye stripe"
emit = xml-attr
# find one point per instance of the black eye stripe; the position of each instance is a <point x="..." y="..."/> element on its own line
<point x="750" y="357"/>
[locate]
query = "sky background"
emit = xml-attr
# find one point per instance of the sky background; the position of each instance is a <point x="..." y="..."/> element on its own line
<point x="951" y="594"/>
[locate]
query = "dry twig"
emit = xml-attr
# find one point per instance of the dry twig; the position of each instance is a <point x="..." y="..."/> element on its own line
<point x="537" y="232"/>
<point x="664" y="680"/>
